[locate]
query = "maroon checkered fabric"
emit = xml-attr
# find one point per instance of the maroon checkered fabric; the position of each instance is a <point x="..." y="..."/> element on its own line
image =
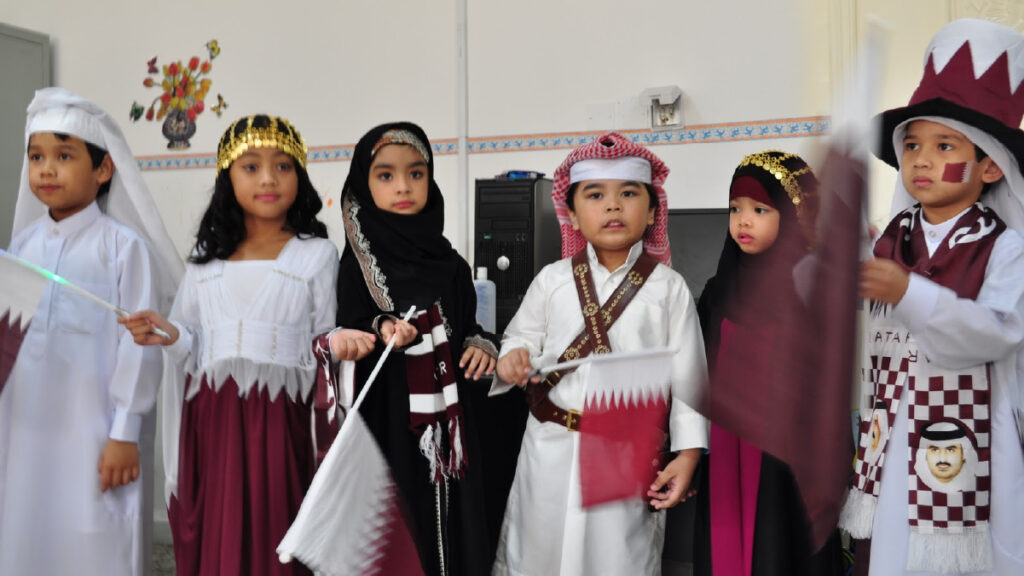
<point x="608" y="146"/>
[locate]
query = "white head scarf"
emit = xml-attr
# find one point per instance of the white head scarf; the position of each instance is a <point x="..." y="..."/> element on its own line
<point x="965" y="480"/>
<point x="1006" y="196"/>
<point x="128" y="202"/>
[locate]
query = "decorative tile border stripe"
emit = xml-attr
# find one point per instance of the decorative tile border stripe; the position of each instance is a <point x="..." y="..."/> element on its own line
<point x="701" y="134"/>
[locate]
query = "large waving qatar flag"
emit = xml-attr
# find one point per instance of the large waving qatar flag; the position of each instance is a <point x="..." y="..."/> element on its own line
<point x="351" y="522"/>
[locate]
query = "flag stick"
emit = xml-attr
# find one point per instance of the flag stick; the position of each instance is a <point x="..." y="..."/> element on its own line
<point x="286" y="557"/>
<point x="599" y="357"/>
<point x="380" y="363"/>
<point x="54" y="277"/>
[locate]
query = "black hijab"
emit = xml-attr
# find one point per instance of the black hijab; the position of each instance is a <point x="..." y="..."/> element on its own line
<point x="404" y="258"/>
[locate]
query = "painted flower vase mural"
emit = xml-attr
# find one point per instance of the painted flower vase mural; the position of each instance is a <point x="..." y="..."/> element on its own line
<point x="183" y="87"/>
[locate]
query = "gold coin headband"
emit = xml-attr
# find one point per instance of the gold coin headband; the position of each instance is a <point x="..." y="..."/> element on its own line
<point x="771" y="162"/>
<point x="279" y="134"/>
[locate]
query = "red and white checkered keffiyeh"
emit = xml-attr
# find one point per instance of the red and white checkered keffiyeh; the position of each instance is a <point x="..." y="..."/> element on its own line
<point x="609" y="146"/>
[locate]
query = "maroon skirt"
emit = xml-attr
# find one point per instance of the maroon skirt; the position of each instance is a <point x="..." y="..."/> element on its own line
<point x="244" y="465"/>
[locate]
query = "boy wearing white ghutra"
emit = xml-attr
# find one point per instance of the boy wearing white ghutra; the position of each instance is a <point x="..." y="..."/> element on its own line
<point x="77" y="417"/>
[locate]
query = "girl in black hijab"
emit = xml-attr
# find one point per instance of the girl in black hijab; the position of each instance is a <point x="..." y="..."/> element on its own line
<point x="395" y="257"/>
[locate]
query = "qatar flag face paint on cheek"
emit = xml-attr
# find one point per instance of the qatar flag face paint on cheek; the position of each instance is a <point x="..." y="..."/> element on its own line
<point x="957" y="172"/>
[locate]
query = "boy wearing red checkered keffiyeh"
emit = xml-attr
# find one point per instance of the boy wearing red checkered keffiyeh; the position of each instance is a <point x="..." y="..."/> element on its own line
<point x="612" y="211"/>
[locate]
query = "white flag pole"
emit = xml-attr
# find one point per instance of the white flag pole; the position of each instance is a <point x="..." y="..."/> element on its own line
<point x="380" y="363"/>
<point x="288" y="543"/>
<point x="635" y="355"/>
<point x="54" y="277"/>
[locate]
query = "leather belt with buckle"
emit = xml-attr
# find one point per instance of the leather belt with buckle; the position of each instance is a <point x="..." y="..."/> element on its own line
<point x="546" y="411"/>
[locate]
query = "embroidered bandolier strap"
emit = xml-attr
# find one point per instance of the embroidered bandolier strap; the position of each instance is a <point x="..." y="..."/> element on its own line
<point x="594" y="337"/>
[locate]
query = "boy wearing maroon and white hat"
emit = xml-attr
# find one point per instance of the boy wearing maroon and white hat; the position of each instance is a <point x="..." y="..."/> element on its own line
<point x="946" y="323"/>
<point x="613" y="213"/>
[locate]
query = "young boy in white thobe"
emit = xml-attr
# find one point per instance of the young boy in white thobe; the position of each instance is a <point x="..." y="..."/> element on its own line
<point x="613" y="215"/>
<point x="77" y="413"/>
<point x="943" y="490"/>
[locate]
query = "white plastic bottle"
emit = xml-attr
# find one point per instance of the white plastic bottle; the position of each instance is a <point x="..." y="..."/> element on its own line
<point x="486" y="300"/>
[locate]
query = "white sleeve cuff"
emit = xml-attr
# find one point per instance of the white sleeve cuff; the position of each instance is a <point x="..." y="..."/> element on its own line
<point x="126" y="426"/>
<point x="918" y="303"/>
<point x="687" y="428"/>
<point x="179" y="351"/>
<point x="331" y="348"/>
<point x="499" y="386"/>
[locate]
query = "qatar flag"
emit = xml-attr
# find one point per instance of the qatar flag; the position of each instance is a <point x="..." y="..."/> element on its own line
<point x="351" y="521"/>
<point x="20" y="292"/>
<point x="624" y="423"/>
<point x="799" y="409"/>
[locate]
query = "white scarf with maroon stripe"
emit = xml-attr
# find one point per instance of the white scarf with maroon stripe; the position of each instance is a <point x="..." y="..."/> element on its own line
<point x="434" y="410"/>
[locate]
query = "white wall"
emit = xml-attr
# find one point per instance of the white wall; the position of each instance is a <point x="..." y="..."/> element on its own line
<point x="538" y="66"/>
<point x="337" y="69"/>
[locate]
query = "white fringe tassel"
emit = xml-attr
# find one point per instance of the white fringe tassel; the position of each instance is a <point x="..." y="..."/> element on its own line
<point x="970" y="551"/>
<point x="455" y="437"/>
<point x="858" y="514"/>
<point x="430" y="447"/>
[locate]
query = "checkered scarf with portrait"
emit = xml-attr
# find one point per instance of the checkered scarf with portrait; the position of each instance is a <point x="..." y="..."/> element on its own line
<point x="963" y="398"/>
<point x="948" y="515"/>
<point x="886" y="375"/>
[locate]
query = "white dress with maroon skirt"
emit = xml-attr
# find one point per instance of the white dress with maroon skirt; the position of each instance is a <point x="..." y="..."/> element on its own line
<point x="237" y="414"/>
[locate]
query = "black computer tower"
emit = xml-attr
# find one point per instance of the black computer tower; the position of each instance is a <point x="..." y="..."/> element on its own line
<point x="516" y="235"/>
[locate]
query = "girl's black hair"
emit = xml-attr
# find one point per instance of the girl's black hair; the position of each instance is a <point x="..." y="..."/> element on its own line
<point x="222" y="228"/>
<point x="96" y="154"/>
<point x="570" y="197"/>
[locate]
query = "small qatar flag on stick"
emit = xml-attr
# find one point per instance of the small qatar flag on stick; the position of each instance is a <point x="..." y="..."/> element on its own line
<point x="20" y="292"/>
<point x="351" y="521"/>
<point x="624" y="422"/>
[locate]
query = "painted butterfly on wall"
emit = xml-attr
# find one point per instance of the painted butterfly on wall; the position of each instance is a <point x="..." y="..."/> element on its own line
<point x="136" y="111"/>
<point x="152" y="65"/>
<point x="213" y="47"/>
<point x="221" y="105"/>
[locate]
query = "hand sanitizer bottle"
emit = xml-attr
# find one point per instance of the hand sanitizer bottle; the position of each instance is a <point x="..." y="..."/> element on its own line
<point x="486" y="300"/>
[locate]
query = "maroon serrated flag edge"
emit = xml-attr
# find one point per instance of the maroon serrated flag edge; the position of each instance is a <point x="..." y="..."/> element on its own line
<point x="20" y="293"/>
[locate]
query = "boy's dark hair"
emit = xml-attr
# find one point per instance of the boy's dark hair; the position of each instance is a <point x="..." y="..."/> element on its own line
<point x="570" y="197"/>
<point x="222" y="228"/>
<point x="980" y="155"/>
<point x="96" y="154"/>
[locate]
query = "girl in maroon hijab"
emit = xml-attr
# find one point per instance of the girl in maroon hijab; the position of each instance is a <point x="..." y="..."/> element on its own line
<point x="750" y="518"/>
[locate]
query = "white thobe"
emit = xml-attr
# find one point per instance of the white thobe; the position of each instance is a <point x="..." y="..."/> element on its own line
<point x="546" y="531"/>
<point x="79" y="381"/>
<point x="957" y="333"/>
